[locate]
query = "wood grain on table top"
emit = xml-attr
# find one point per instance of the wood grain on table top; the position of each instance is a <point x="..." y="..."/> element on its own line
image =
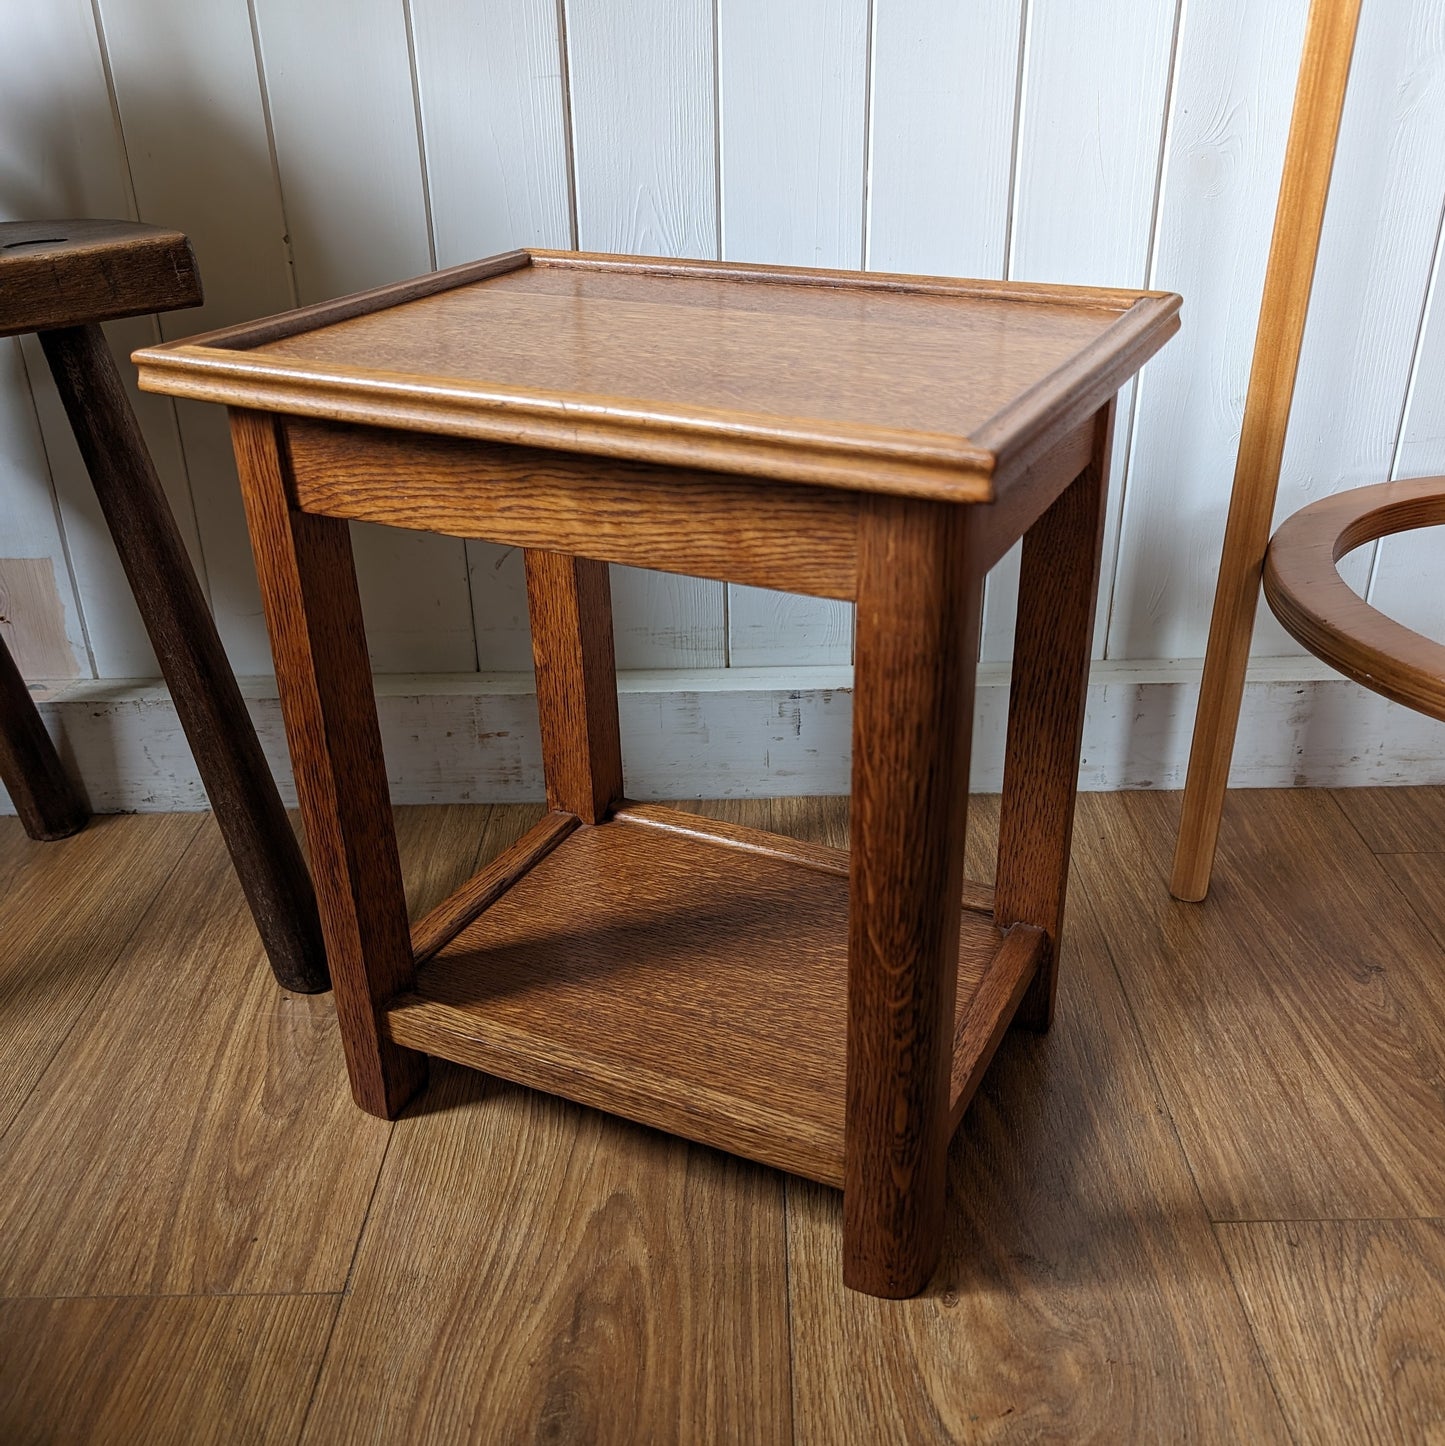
<point x="826" y="353"/>
<point x="913" y="384"/>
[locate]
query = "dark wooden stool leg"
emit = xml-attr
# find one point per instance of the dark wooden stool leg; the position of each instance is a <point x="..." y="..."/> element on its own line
<point x="569" y="601"/>
<point x="313" y="613"/>
<point x="47" y="801"/>
<point x="917" y="646"/>
<point x="1058" y="586"/>
<point x="248" y="809"/>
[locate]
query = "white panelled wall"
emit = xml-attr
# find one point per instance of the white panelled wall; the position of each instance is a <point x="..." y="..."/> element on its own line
<point x="313" y="149"/>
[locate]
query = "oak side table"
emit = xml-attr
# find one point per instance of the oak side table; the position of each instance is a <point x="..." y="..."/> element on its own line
<point x="850" y="435"/>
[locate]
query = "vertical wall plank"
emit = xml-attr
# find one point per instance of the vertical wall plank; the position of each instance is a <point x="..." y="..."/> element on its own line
<point x="1233" y="90"/>
<point x="1374" y="264"/>
<point x="1422" y="443"/>
<point x="792" y="83"/>
<point x="645" y="156"/>
<point x="30" y="529"/>
<point x="490" y="88"/>
<point x="338" y="75"/>
<point x="188" y="93"/>
<point x="1377" y="253"/>
<point x="643" y="132"/>
<point x="1406" y="582"/>
<point x="339" y="79"/>
<point x="1405" y="119"/>
<point x="945" y="101"/>
<point x="63" y="157"/>
<point x="489" y="83"/>
<point x="1087" y="169"/>
<point x="30" y="526"/>
<point x="945" y="79"/>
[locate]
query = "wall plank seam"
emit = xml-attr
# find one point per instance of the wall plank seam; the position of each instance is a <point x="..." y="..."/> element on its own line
<point x="1121" y="483"/>
<point x="1417" y="352"/>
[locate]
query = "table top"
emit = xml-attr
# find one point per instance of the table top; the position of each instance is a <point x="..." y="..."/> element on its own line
<point x="920" y="385"/>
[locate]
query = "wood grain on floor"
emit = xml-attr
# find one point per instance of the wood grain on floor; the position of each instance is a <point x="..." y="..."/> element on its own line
<point x="1082" y="1295"/>
<point x="1202" y="1208"/>
<point x="1296" y="1021"/>
<point x="533" y="1271"/>
<point x="181" y="1369"/>
<point x="1420" y="878"/>
<point x="67" y="909"/>
<point x="198" y="1136"/>
<point x="636" y="1284"/>
<point x="1350" y="1315"/>
<point x="1396" y="820"/>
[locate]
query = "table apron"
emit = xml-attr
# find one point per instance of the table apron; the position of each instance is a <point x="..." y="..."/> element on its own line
<point x="800" y="539"/>
<point x="704" y="524"/>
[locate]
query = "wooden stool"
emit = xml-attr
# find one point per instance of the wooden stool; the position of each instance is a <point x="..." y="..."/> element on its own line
<point x="1318" y="608"/>
<point x="60" y="279"/>
<point x="857" y="436"/>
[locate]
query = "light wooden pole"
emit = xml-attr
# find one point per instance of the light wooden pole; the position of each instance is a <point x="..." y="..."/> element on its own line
<point x="1309" y="158"/>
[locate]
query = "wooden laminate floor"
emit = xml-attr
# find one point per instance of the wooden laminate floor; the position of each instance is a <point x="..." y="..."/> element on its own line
<point x="1210" y="1206"/>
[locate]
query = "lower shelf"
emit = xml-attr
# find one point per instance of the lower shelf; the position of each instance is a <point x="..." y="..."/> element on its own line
<point x="685" y="983"/>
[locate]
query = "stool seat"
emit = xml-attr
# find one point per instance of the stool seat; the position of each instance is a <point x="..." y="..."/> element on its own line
<point x="74" y="273"/>
<point x="1318" y="608"/>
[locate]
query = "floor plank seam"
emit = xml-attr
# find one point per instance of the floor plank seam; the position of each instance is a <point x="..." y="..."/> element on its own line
<point x="1146" y="1054"/>
<point x="83" y="1011"/>
<point x="1259" y="1352"/>
<point x="182" y="1295"/>
<point x="1404" y="895"/>
<point x="1144" y="1051"/>
<point x="1336" y="1220"/>
<point x="787" y="1185"/>
<point x="346" y="1286"/>
<point x="1345" y="814"/>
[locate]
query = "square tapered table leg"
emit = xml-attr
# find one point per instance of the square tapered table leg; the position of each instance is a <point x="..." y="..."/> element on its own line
<point x="917" y="644"/>
<point x="1058" y="589"/>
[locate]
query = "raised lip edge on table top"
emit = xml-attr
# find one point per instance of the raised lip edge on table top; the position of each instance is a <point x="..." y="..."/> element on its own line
<point x="222" y="366"/>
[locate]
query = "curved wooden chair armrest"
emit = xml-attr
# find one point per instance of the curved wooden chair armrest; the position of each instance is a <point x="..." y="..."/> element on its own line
<point x="1318" y="608"/>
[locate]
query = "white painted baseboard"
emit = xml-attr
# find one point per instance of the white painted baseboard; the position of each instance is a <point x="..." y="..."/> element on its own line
<point x="756" y="731"/>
